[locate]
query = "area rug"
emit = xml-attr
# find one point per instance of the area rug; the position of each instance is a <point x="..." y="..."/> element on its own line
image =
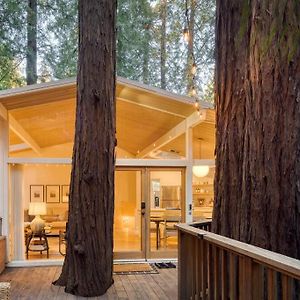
<point x="134" y="269"/>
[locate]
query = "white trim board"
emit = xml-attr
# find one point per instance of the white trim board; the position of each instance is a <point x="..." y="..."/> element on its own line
<point x="120" y="162"/>
<point x="35" y="263"/>
<point x="59" y="262"/>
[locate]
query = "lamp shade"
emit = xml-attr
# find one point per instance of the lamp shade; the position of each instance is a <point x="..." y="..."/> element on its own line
<point x="200" y="171"/>
<point x="37" y="208"/>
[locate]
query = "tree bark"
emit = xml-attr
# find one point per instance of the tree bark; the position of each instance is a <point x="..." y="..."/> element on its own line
<point x="163" y="40"/>
<point x="31" y="51"/>
<point x="190" y="53"/>
<point x="257" y="181"/>
<point x="88" y="265"/>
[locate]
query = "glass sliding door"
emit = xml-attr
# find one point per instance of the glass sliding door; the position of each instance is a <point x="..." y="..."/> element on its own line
<point x="166" y="202"/>
<point x="149" y="202"/>
<point x="128" y="218"/>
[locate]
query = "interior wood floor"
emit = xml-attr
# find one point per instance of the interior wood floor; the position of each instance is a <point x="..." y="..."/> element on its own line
<point x="35" y="283"/>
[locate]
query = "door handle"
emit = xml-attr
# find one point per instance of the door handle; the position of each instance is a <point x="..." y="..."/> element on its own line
<point x="143" y="208"/>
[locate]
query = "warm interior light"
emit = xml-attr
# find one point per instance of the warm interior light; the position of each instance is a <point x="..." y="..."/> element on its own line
<point x="194" y="68"/>
<point x="36" y="209"/>
<point x="200" y="171"/>
<point x="186" y="34"/>
<point x="196" y="104"/>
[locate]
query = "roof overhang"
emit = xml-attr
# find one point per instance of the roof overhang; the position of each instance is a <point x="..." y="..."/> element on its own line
<point x="126" y="89"/>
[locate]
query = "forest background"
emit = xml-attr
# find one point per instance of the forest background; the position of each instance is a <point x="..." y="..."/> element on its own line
<point x="42" y="35"/>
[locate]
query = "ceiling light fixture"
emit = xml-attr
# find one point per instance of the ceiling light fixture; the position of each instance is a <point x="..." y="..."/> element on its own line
<point x="200" y="171"/>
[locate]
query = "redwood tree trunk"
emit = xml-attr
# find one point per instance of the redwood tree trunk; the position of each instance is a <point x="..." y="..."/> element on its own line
<point x="31" y="51"/>
<point x="88" y="265"/>
<point x="257" y="182"/>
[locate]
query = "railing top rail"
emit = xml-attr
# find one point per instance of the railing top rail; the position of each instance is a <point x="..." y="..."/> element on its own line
<point x="275" y="260"/>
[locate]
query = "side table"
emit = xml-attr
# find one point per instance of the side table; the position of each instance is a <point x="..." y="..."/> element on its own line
<point x="37" y="242"/>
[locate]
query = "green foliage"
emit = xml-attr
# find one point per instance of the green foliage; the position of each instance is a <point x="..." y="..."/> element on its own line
<point x="138" y="42"/>
<point x="134" y="29"/>
<point x="11" y="43"/>
<point x="58" y="42"/>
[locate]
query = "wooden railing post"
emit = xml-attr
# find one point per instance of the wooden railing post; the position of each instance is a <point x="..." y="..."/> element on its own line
<point x="182" y="256"/>
<point x="204" y="273"/>
<point x="258" y="280"/>
<point x="224" y="275"/>
<point x="286" y="287"/>
<point x="215" y="267"/>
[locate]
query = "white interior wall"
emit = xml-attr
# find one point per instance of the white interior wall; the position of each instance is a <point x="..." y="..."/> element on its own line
<point x="167" y="178"/>
<point x="44" y="175"/>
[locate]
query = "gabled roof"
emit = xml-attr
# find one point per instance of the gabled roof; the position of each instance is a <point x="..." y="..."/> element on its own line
<point x="65" y="89"/>
<point x="45" y="114"/>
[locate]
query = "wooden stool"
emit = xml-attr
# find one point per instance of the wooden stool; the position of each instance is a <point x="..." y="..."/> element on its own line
<point x="5" y="290"/>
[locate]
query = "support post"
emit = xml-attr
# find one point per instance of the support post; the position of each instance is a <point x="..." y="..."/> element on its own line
<point x="189" y="175"/>
<point x="4" y="205"/>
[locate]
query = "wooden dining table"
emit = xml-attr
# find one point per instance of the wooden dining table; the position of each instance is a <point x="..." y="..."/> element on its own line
<point x="157" y="220"/>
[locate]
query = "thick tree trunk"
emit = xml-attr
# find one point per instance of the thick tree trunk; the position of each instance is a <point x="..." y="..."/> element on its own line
<point x="190" y="53"/>
<point x="163" y="40"/>
<point x="31" y="51"/>
<point x="257" y="182"/>
<point x="88" y="266"/>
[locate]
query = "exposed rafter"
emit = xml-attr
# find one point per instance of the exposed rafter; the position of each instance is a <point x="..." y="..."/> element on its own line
<point x="191" y="121"/>
<point x="18" y="147"/>
<point x="3" y="112"/>
<point x="153" y="107"/>
<point x="17" y="128"/>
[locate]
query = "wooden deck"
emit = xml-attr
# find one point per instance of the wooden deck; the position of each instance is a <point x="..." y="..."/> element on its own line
<point x="35" y="283"/>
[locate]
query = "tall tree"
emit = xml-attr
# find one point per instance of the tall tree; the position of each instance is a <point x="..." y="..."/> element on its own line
<point x="87" y="269"/>
<point x="58" y="43"/>
<point x="12" y="33"/>
<point x="31" y="55"/>
<point x="257" y="195"/>
<point x="146" y="52"/>
<point x="190" y="52"/>
<point x="163" y="46"/>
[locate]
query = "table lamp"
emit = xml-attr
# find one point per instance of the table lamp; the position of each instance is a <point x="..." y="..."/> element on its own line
<point x="36" y="209"/>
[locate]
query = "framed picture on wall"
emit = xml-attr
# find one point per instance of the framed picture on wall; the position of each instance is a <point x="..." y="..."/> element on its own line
<point x="36" y="193"/>
<point x="52" y="193"/>
<point x="65" y="191"/>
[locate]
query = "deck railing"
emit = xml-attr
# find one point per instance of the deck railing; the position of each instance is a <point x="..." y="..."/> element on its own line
<point x="215" y="267"/>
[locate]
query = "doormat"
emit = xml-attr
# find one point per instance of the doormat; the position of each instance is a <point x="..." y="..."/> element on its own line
<point x="135" y="269"/>
<point x="165" y="265"/>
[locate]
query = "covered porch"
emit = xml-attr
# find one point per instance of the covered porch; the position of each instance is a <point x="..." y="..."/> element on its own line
<point x="161" y="137"/>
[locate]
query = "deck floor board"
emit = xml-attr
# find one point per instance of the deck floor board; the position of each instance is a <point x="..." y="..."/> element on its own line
<point x="36" y="283"/>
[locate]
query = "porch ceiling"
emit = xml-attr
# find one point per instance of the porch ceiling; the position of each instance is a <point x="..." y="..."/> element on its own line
<point x="53" y="124"/>
<point x="144" y="114"/>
